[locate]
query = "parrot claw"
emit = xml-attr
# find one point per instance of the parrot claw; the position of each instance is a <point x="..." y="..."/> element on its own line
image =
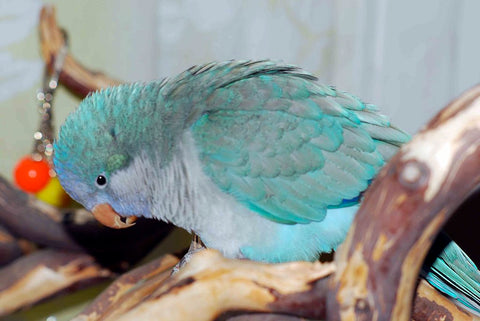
<point x="106" y="215"/>
<point x="195" y="246"/>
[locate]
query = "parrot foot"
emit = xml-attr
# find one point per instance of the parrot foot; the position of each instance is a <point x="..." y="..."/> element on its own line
<point x="195" y="246"/>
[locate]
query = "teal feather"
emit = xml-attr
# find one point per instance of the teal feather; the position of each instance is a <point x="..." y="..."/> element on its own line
<point x="450" y="270"/>
<point x="283" y="248"/>
<point x="282" y="124"/>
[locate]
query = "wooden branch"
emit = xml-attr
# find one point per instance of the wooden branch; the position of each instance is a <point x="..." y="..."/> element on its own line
<point x="43" y="274"/>
<point x="429" y="304"/>
<point x="22" y="216"/>
<point x="129" y="289"/>
<point x="11" y="247"/>
<point x="211" y="287"/>
<point x="74" y="76"/>
<point x="403" y="211"/>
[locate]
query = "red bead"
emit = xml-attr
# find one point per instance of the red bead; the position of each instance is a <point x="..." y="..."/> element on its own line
<point x="31" y="175"/>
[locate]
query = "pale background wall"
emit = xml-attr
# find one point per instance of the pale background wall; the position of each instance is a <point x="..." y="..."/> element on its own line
<point x="409" y="57"/>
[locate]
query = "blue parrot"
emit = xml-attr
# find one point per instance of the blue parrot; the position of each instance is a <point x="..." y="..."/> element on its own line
<point x="255" y="157"/>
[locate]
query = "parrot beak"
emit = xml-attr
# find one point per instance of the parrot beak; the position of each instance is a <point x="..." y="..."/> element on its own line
<point x="106" y="215"/>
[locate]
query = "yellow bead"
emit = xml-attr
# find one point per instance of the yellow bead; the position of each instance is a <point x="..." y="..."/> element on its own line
<point x="54" y="194"/>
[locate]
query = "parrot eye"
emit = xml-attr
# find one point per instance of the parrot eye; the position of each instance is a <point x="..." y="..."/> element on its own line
<point x="101" y="181"/>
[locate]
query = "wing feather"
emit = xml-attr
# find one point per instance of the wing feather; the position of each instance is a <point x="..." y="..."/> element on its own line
<point x="289" y="148"/>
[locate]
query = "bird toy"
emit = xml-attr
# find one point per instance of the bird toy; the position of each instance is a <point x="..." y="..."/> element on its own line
<point x="34" y="173"/>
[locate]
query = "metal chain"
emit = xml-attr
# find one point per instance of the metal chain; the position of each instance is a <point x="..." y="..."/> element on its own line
<point x="43" y="145"/>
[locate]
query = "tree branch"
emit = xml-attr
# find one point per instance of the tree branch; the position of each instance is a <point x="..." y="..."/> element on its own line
<point x="402" y="212"/>
<point x="129" y="288"/>
<point x="26" y="217"/>
<point x="45" y="273"/>
<point x="11" y="247"/>
<point x="211" y="287"/>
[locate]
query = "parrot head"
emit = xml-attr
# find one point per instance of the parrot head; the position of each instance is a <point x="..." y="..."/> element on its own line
<point x="94" y="153"/>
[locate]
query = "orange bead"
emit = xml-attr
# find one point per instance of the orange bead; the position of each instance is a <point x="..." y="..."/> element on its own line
<point x="31" y="175"/>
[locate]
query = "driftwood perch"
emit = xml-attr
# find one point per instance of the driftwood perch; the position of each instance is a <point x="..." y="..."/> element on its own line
<point x="44" y="273"/>
<point x="128" y="289"/>
<point x="27" y="218"/>
<point x="403" y="211"/>
<point x="211" y="287"/>
<point x="12" y="247"/>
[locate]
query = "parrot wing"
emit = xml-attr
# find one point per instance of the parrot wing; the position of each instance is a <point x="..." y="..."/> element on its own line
<point x="453" y="273"/>
<point x="289" y="148"/>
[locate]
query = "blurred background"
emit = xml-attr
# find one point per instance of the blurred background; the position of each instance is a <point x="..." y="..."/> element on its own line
<point x="408" y="57"/>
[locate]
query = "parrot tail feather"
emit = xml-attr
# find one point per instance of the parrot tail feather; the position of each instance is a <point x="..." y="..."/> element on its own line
<point x="454" y="274"/>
